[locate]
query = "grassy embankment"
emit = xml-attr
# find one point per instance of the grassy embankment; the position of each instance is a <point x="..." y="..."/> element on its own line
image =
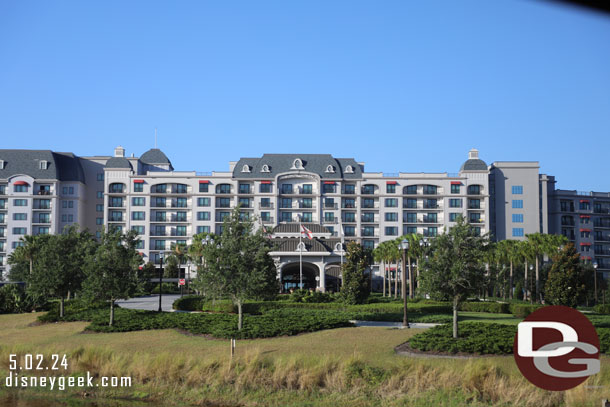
<point x="339" y="367"/>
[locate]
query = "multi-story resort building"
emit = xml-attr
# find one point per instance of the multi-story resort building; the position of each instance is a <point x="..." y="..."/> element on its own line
<point x="44" y="191"/>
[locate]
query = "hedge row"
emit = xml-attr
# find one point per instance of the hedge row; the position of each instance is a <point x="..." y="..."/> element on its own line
<point x="272" y="323"/>
<point x="602" y="309"/>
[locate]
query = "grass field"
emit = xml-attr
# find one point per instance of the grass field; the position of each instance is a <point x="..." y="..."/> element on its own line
<point x="340" y="367"/>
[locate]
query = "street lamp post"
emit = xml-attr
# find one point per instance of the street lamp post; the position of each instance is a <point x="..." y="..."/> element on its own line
<point x="160" y="280"/>
<point x="595" y="265"/>
<point x="404" y="246"/>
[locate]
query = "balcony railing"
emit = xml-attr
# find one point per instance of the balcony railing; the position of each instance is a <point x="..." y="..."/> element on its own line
<point x="368" y="219"/>
<point x="116" y="219"/>
<point x="268" y="220"/>
<point x="333" y="205"/>
<point x="330" y="221"/>
<point x="306" y="206"/>
<point x="268" y="205"/>
<point x="429" y="219"/>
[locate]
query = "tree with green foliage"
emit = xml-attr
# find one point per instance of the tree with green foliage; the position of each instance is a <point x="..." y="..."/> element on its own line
<point x="23" y="257"/>
<point x="112" y="269"/>
<point x="355" y="289"/>
<point x="456" y="268"/>
<point x="170" y="266"/>
<point x="237" y="264"/>
<point x="565" y="285"/>
<point x="542" y="244"/>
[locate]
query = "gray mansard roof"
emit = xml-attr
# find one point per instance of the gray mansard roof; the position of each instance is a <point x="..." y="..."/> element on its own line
<point x="119" y="162"/>
<point x="61" y="166"/>
<point x="154" y="156"/>
<point x="282" y="163"/>
<point x="474" y="164"/>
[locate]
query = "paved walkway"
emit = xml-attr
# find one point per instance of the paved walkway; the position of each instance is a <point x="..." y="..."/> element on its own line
<point x="378" y="324"/>
<point x="150" y="302"/>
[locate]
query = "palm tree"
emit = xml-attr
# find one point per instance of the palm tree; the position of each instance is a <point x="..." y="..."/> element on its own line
<point x="509" y="252"/>
<point x="526" y="253"/>
<point x="379" y="257"/>
<point x="26" y="252"/>
<point x="543" y="244"/>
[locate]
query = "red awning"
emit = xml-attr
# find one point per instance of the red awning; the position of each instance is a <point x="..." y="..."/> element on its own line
<point x="265" y="182"/>
<point x="329" y="182"/>
<point x="456" y="182"/>
<point x="21" y="183"/>
<point x="204" y="181"/>
<point x="585" y="258"/>
<point x="584" y="200"/>
<point x="585" y="230"/>
<point x="585" y="244"/>
<point x="391" y="182"/>
<point x="138" y="181"/>
<point x="585" y="216"/>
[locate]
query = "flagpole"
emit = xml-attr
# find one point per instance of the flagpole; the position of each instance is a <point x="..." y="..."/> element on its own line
<point x="300" y="254"/>
<point x="342" y="242"/>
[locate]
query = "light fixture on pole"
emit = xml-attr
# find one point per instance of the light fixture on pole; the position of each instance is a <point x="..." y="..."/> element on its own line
<point x="595" y="265"/>
<point x="404" y="246"/>
<point x="160" y="279"/>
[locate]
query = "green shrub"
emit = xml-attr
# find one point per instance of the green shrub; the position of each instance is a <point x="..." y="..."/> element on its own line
<point x="168" y="288"/>
<point x="13" y="299"/>
<point x="604" y="340"/>
<point x="523" y="310"/>
<point x="189" y="303"/>
<point x="602" y="308"/>
<point x="475" y="337"/>
<point x="298" y="295"/>
<point x="492" y="307"/>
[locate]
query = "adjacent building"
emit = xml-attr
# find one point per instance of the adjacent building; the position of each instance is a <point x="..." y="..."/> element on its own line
<point x="43" y="191"/>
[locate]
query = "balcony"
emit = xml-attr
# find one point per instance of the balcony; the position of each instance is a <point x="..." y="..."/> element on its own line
<point x="328" y="205"/>
<point x="116" y="219"/>
<point x="429" y="219"/>
<point x="268" y="205"/>
<point x="601" y="238"/>
<point x="428" y="205"/>
<point x="286" y="206"/>
<point x="368" y="219"/>
<point x="303" y="205"/>
<point x="349" y="220"/>
<point x="348" y="192"/>
<point x="268" y="220"/>
<point x="305" y="191"/>
<point x="600" y="210"/>
<point x="179" y="218"/>
<point x="159" y="232"/>
<point x="346" y="205"/>
<point x="43" y="192"/>
<point x="368" y="191"/>
<point x="329" y="221"/>
<point x="43" y="221"/>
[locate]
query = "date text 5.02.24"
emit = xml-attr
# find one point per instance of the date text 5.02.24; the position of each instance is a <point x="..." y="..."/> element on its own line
<point x="38" y="362"/>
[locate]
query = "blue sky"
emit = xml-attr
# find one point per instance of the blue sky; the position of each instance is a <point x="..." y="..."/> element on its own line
<point x="401" y="85"/>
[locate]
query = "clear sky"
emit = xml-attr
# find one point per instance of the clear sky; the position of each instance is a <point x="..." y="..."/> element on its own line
<point x="402" y="85"/>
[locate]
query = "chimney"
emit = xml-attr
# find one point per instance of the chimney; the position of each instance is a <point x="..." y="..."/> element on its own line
<point x="473" y="154"/>
<point x="119" y="152"/>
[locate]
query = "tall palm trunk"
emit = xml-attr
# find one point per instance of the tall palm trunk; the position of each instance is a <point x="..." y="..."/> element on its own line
<point x="410" y="277"/>
<point x="510" y="281"/>
<point x="383" y="267"/>
<point x="396" y="281"/>
<point x="525" y="281"/>
<point x="537" y="281"/>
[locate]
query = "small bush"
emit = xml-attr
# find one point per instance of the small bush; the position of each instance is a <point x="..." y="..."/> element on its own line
<point x="13" y="299"/>
<point x="602" y="308"/>
<point x="475" y="337"/>
<point x="604" y="340"/>
<point x="189" y="303"/>
<point x="492" y="307"/>
<point x="523" y="310"/>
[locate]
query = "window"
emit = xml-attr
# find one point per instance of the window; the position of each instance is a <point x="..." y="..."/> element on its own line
<point x="455" y="188"/>
<point x="159" y="244"/>
<point x="19" y="231"/>
<point x="430" y="189"/>
<point x="203" y="215"/>
<point x="114" y="202"/>
<point x="307" y="189"/>
<point x="181" y="202"/>
<point x="584" y="205"/>
<point x="115" y="188"/>
<point x="390" y="188"/>
<point x="330" y="169"/>
<point x="245" y="168"/>
<point x="431" y="231"/>
<point x="18" y="244"/>
<point x="410" y="203"/>
<point x="20" y="216"/>
<point x="266" y="216"/>
<point x="160" y="202"/>
<point x="44" y="218"/>
<point x="99" y="194"/>
<point x="140" y="244"/>
<point x="455" y="203"/>
<point x="20" y="202"/>
<point x="368" y="231"/>
<point x="518" y="232"/>
<point x="567" y="220"/>
<point x="475" y="204"/>
<point x="244" y="216"/>
<point x="368" y="189"/>
<point x="307" y="203"/>
<point x="349" y="169"/>
<point x="517" y="217"/>
<point x="407" y="230"/>
<point x="349" y="189"/>
<point x="265" y="203"/>
<point x="159" y="231"/>
<point x="244" y="202"/>
<point x="430" y="218"/>
<point x="349" y="217"/>
<point x="100" y="176"/>
<point x="2" y="189"/>
<point x="368" y="203"/>
<point x="391" y="231"/>
<point x="265" y="188"/>
<point x="307" y="217"/>
<point x="297" y="164"/>
<point x="223" y="202"/>
<point x="203" y="229"/>
<point x="585" y="233"/>
<point x="140" y="201"/>
<point x="518" y="203"/>
<point x="98" y="234"/>
<point x="115" y="216"/>
<point x="430" y="203"/>
<point x="180" y="230"/>
<point x="585" y="248"/>
<point x="329" y="203"/>
<point x="223" y="189"/>
<point x="368" y="217"/>
<point x="221" y="216"/>
<point x="585" y="221"/>
<point x="137" y="216"/>
<point x="409" y="217"/>
<point x="265" y="168"/>
<point x="286" y="217"/>
<point x="138" y="187"/>
<point x="349" y="231"/>
<point x="410" y="190"/>
<point x="329" y="217"/>
<point x="476" y="230"/>
<point x="286" y="188"/>
<point x="567" y="206"/>
<point x="21" y="188"/>
<point x="368" y="244"/>
<point x="474" y="190"/>
<point x="244" y="188"/>
<point x="1" y="164"/>
<point x="391" y="203"/>
<point x="99" y="208"/>
<point x="99" y="221"/>
<point x="474" y="217"/>
<point x="203" y="201"/>
<point x="329" y="188"/>
<point x="391" y="217"/>
<point x="203" y="187"/>
<point x="286" y="203"/>
<point x="453" y="216"/>
<point x="349" y="203"/>
<point x="138" y="229"/>
<point x="517" y="189"/>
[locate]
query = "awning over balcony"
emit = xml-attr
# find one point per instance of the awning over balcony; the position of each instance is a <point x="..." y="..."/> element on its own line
<point x="585" y="244"/>
<point x="265" y="182"/>
<point x="20" y="183"/>
<point x="328" y="182"/>
<point x="584" y="201"/>
<point x="391" y="182"/>
<point x="456" y="182"/>
<point x="585" y="217"/>
<point x="585" y="230"/>
<point x="138" y="181"/>
<point x="204" y="181"/>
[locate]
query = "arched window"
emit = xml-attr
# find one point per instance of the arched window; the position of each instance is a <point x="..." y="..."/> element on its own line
<point x="330" y="169"/>
<point x="265" y="168"/>
<point x="349" y="169"/>
<point x="338" y="247"/>
<point x="245" y="168"/>
<point x="223" y="188"/>
<point x="116" y="188"/>
<point x="297" y="164"/>
<point x="475" y="189"/>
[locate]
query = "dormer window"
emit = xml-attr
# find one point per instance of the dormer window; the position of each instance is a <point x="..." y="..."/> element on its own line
<point x="265" y="168"/>
<point x="44" y="164"/>
<point x="338" y="247"/>
<point x="245" y="168"/>
<point x="349" y="169"/>
<point x="330" y="169"/>
<point x="297" y="164"/>
<point x="301" y="247"/>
